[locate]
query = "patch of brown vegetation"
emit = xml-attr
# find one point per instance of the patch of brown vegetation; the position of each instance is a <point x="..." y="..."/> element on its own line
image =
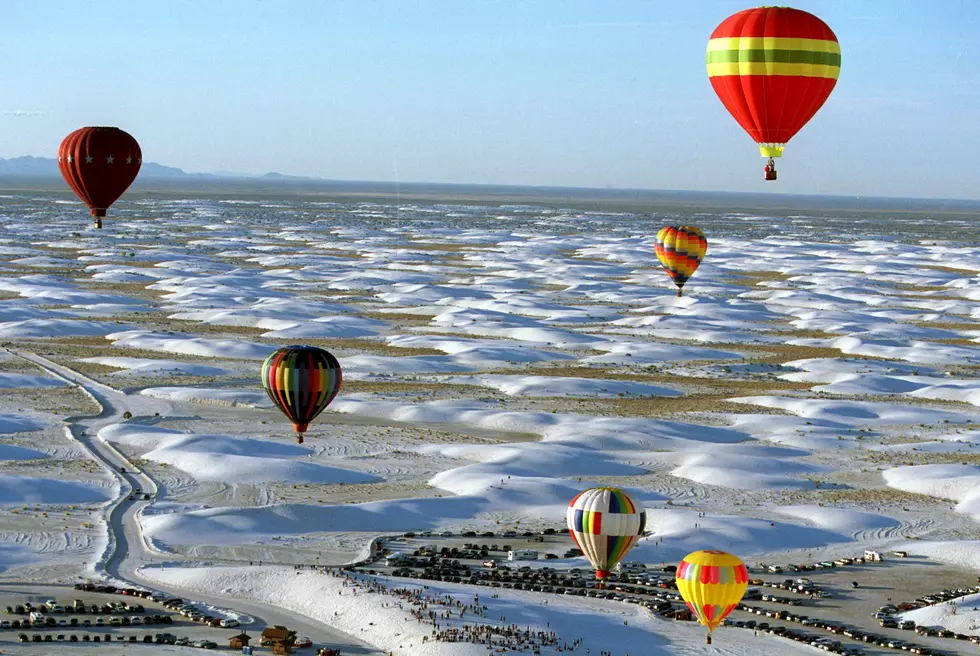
<point x="659" y="406"/>
<point x="87" y="368"/>
<point x="394" y="387"/>
<point x="401" y="318"/>
<point x="355" y="346"/>
<point x="720" y="386"/>
<point x="966" y="273"/>
<point x="457" y="261"/>
<point x="957" y="341"/>
<point x="948" y="325"/>
<point x="135" y="289"/>
<point x="911" y="287"/>
<point x="63" y="401"/>
<point x="753" y="278"/>
<point x="437" y="246"/>
<point x="879" y="495"/>
<point x="353" y="255"/>
<point x="196" y="327"/>
<point x="780" y="353"/>
<point x="93" y="347"/>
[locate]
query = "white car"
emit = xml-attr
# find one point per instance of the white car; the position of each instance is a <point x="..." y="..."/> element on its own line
<point x="229" y="624"/>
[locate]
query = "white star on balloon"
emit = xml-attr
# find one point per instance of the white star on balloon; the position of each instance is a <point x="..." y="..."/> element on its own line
<point x="59" y="158"/>
<point x="69" y="159"/>
<point x="129" y="160"/>
<point x="108" y="160"/>
<point x="88" y="159"/>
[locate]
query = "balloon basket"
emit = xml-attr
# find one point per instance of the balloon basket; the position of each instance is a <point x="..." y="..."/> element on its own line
<point x="299" y="429"/>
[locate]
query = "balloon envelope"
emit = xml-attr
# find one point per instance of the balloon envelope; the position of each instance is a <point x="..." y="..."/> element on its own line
<point x="773" y="68"/>
<point x="605" y="523"/>
<point x="301" y="381"/>
<point x="680" y="251"/>
<point x="99" y="164"/>
<point x="712" y="583"/>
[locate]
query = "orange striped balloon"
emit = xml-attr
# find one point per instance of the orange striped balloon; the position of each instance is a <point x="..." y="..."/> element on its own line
<point x="680" y="251"/>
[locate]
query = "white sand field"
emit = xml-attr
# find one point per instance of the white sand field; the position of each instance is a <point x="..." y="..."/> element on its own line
<point x="821" y="398"/>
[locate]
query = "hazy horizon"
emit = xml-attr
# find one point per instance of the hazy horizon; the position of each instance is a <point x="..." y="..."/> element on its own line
<point x="549" y="94"/>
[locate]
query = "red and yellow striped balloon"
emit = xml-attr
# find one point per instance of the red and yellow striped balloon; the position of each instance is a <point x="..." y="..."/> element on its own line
<point x="773" y="68"/>
<point x="301" y="381"/>
<point x="712" y="583"/>
<point x="680" y="251"/>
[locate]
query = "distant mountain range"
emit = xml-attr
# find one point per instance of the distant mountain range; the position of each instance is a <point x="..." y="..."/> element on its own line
<point x="43" y="167"/>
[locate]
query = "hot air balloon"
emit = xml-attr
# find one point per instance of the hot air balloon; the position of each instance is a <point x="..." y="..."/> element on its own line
<point x="99" y="164"/>
<point x="712" y="583"/>
<point x="605" y="523"/>
<point x="773" y="68"/>
<point x="301" y="381"/>
<point x="680" y="251"/>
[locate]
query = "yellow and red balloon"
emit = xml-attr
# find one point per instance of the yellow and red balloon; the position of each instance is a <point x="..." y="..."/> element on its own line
<point x="711" y="583"/>
<point x="680" y="251"/>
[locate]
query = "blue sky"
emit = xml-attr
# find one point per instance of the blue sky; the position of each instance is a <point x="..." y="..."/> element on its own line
<point x="505" y="92"/>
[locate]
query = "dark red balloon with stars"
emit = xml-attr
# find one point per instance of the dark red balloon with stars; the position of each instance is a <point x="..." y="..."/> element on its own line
<point x="99" y="164"/>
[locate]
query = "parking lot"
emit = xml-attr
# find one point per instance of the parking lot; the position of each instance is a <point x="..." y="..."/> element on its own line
<point x="95" y="620"/>
<point x="827" y="611"/>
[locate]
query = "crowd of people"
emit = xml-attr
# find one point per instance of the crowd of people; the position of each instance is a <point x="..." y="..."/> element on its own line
<point x="438" y="610"/>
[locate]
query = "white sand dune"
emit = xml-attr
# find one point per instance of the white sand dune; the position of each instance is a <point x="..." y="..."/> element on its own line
<point x="31" y="489"/>
<point x="234" y="398"/>
<point x="562" y="386"/>
<point x="186" y="345"/>
<point x="145" y="366"/>
<point x="228" y="459"/>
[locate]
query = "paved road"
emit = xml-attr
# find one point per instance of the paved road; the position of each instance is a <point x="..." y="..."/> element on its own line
<point x="127" y="550"/>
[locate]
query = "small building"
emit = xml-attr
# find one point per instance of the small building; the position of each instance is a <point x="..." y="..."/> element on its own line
<point x="522" y="554"/>
<point x="240" y="640"/>
<point x="872" y="555"/>
<point x="680" y="614"/>
<point x="279" y="638"/>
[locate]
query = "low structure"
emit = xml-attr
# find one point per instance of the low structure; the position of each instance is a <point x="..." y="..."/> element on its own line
<point x="279" y="638"/>
<point x="240" y="640"/>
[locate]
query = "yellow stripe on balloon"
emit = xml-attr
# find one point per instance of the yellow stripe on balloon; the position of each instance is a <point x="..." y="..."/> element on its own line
<point x="773" y="43"/>
<point x="773" y="68"/>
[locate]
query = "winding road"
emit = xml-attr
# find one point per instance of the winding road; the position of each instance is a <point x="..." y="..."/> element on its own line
<point x="127" y="550"/>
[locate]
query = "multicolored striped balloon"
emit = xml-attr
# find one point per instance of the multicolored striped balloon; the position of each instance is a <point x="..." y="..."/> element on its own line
<point x="712" y="583"/>
<point x="680" y="251"/>
<point x="301" y="381"/>
<point x="773" y="68"/>
<point x="605" y="523"/>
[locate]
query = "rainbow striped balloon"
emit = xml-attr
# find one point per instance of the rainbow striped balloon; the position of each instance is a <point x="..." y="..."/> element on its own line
<point x="301" y="381"/>
<point x="712" y="583"/>
<point x="680" y="251"/>
<point x="605" y="523"/>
